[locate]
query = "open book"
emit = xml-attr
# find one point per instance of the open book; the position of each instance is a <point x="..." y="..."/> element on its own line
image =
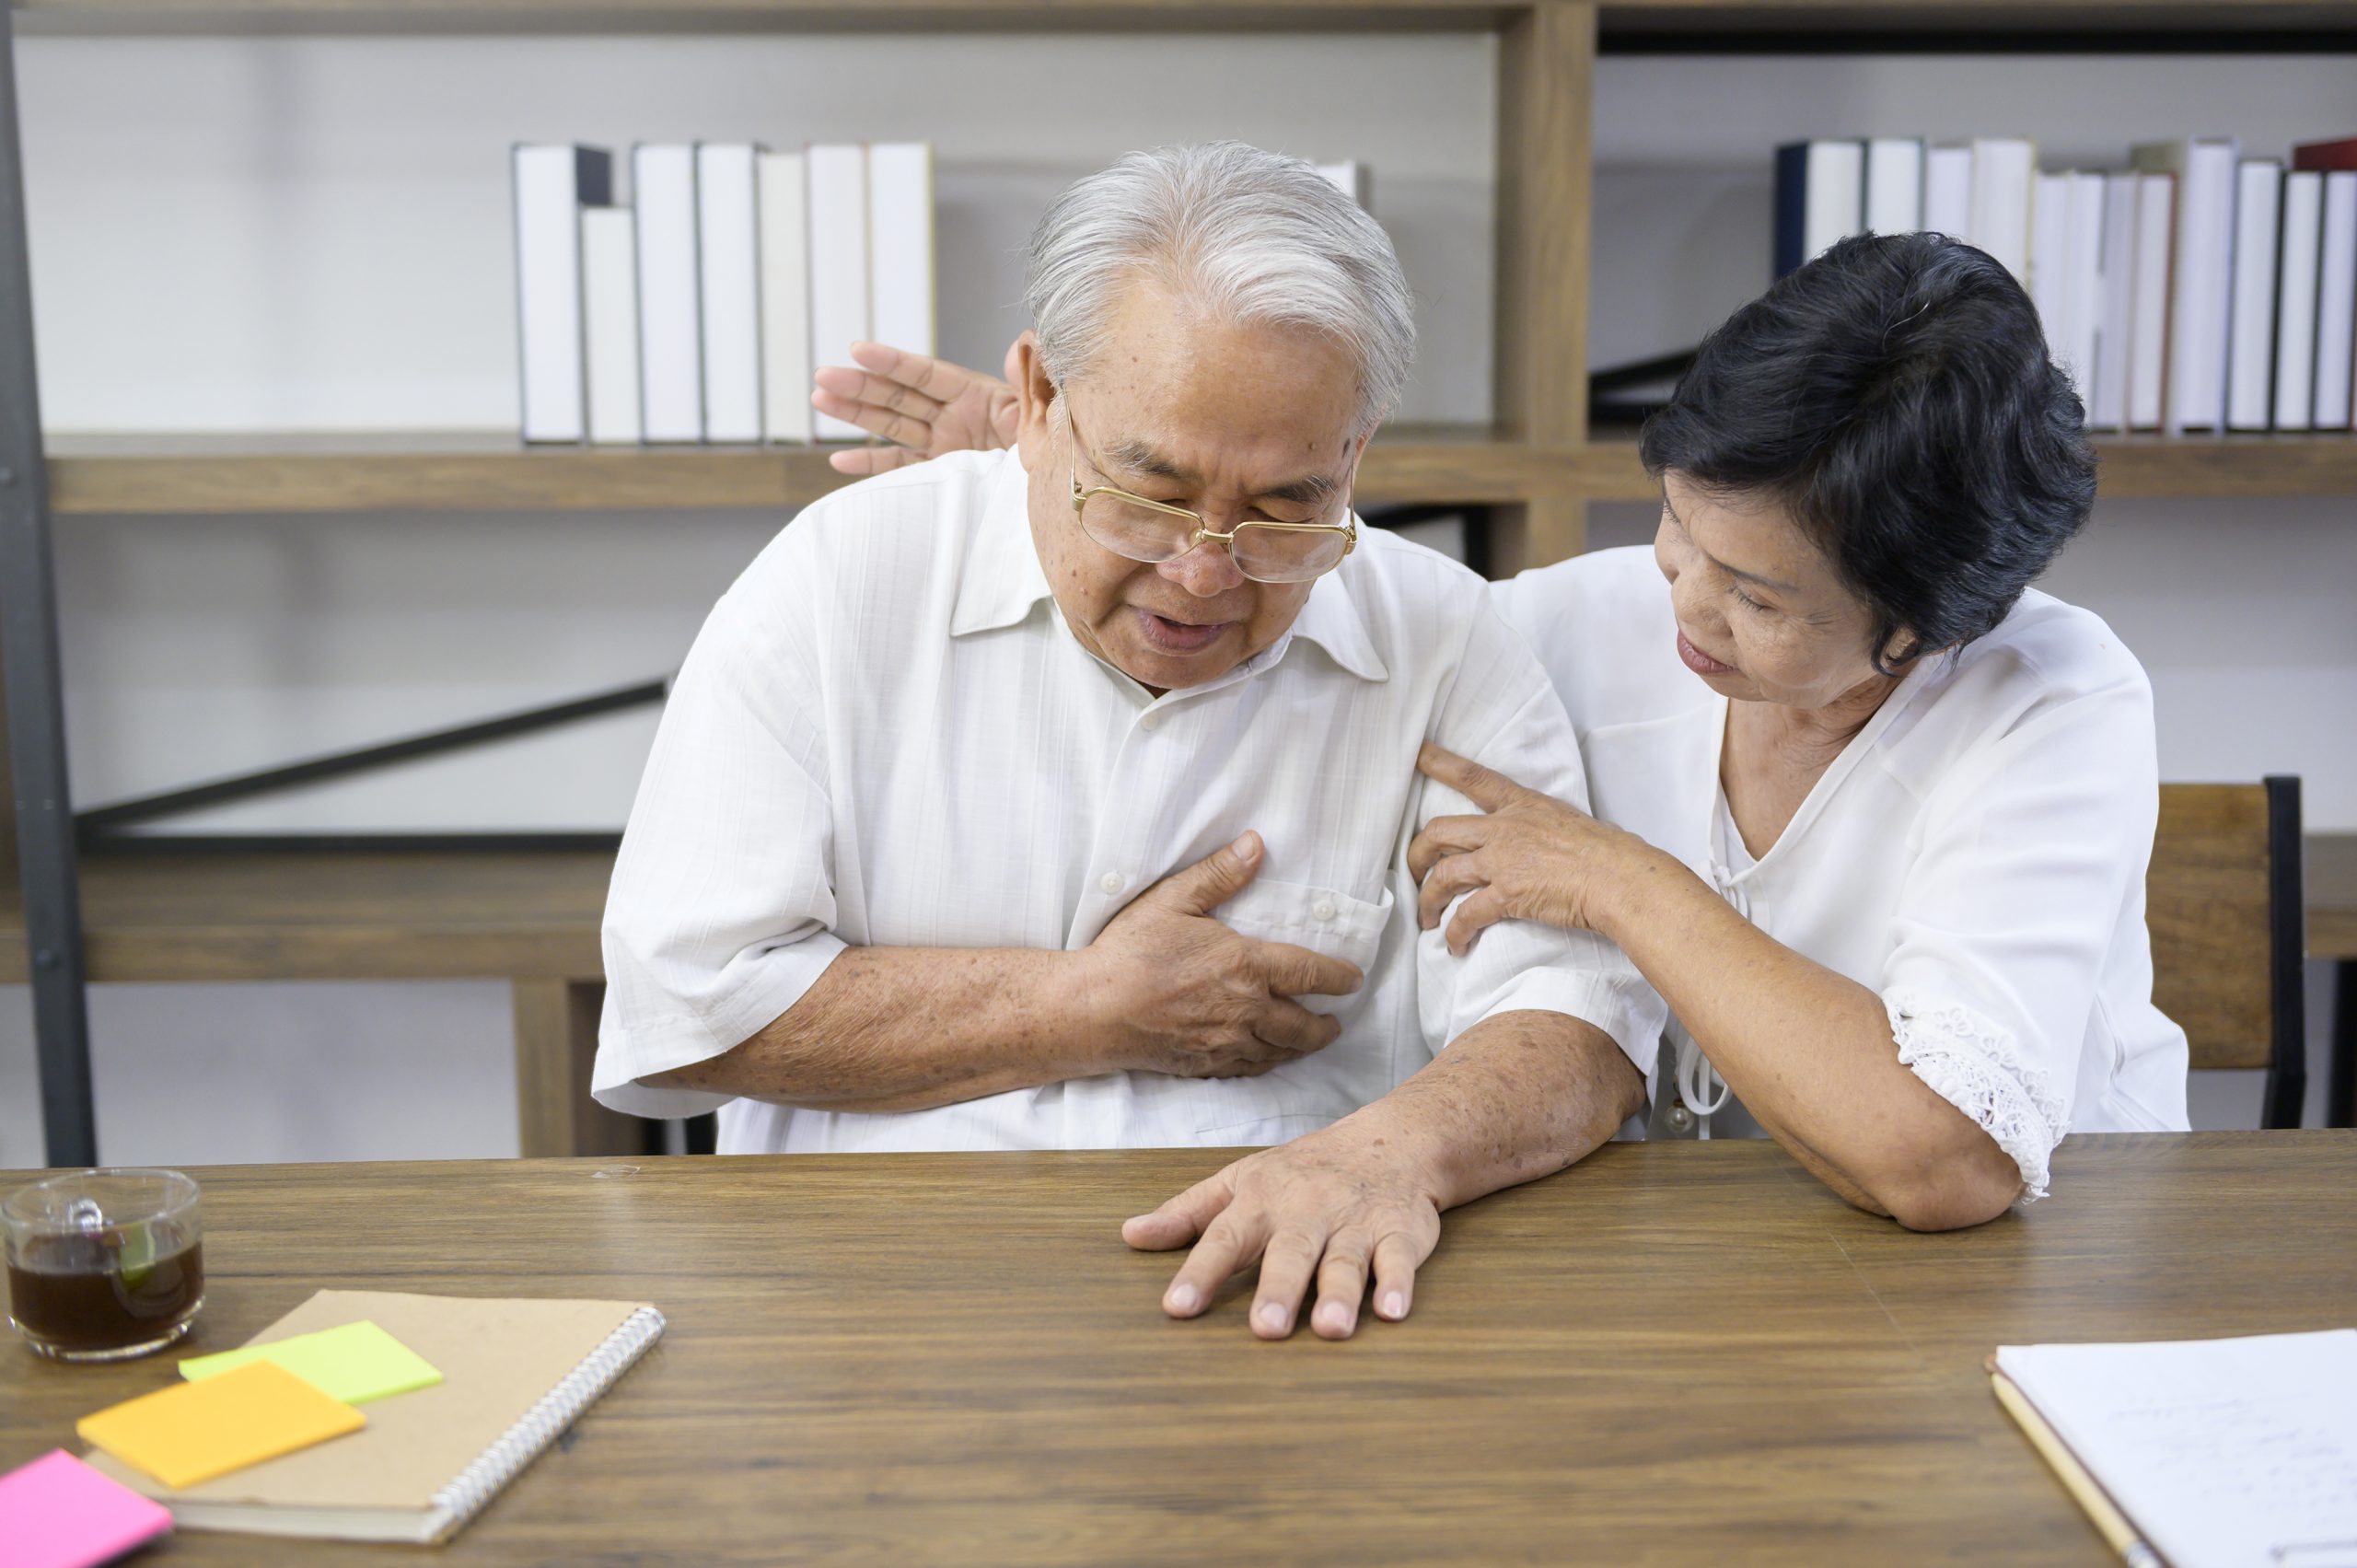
<point x="516" y="1375"/>
<point x="2219" y="1452"/>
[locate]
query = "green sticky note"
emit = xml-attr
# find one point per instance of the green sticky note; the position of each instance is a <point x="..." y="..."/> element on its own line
<point x="356" y="1363"/>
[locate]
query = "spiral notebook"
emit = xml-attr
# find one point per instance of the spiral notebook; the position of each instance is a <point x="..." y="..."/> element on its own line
<point x="516" y="1375"/>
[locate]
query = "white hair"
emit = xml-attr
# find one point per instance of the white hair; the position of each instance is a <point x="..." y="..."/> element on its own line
<point x="1248" y="235"/>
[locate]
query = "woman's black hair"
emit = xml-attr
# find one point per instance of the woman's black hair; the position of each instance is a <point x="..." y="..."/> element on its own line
<point x="1895" y="397"/>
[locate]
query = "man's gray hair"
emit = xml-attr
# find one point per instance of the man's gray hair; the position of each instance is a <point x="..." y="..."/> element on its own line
<point x="1249" y="236"/>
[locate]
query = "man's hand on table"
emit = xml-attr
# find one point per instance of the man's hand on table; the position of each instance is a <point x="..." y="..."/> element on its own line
<point x="1330" y="1207"/>
<point x="1181" y="994"/>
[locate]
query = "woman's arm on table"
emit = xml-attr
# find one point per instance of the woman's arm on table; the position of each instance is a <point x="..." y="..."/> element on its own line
<point x="1810" y="1051"/>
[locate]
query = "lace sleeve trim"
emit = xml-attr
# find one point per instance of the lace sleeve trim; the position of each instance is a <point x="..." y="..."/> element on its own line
<point x="1975" y="1065"/>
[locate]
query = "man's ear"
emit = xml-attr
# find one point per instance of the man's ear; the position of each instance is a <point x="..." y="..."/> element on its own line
<point x="1034" y="395"/>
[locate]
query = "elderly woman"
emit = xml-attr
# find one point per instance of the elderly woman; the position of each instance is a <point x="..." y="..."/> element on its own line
<point x="1872" y="815"/>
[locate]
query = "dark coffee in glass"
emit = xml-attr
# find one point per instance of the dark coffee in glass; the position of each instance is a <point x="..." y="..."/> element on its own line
<point x="104" y="1264"/>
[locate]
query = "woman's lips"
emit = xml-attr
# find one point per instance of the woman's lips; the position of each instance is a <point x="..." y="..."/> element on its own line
<point x="1699" y="662"/>
<point x="1178" y="636"/>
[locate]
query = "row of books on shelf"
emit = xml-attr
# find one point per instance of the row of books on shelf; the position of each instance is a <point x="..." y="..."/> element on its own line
<point x="697" y="312"/>
<point x="2193" y="289"/>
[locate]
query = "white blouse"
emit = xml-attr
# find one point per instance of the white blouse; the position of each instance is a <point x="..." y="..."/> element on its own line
<point x="1976" y="855"/>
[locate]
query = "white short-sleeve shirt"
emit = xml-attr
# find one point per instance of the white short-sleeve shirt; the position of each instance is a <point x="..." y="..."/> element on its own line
<point x="1976" y="855"/>
<point x="885" y="736"/>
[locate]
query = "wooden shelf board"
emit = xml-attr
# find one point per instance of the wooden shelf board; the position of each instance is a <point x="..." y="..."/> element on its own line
<point x="1833" y="18"/>
<point x="193" y="474"/>
<point x="2134" y="467"/>
<point x="2018" y="22"/>
<point x="171" y="474"/>
<point x="177" y="917"/>
<point x="221" y="916"/>
<point x="434" y="18"/>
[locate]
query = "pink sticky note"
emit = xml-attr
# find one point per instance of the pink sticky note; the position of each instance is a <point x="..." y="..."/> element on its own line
<point x="59" y="1512"/>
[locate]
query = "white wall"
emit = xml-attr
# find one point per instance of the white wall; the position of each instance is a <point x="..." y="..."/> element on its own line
<point x="270" y="234"/>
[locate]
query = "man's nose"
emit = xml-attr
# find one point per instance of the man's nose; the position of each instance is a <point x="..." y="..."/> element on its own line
<point x="1207" y="571"/>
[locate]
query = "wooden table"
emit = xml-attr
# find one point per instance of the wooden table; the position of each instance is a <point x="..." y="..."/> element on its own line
<point x="1675" y="1352"/>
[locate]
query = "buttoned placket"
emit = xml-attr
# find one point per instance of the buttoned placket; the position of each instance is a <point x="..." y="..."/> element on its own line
<point x="1149" y="762"/>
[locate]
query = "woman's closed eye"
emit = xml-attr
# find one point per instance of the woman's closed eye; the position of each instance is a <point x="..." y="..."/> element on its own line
<point x="1761" y="605"/>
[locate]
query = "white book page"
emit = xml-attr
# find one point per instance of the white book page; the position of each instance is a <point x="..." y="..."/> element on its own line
<point x="2336" y="300"/>
<point x="1947" y="191"/>
<point x="899" y="244"/>
<point x="728" y="253"/>
<point x="2295" y="340"/>
<point x="1894" y="185"/>
<point x="836" y="178"/>
<point x="610" y="320"/>
<point x="2223" y="1453"/>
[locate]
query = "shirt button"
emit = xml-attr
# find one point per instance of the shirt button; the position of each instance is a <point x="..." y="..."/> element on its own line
<point x="1112" y="881"/>
<point x="1151" y="721"/>
<point x="1323" y="909"/>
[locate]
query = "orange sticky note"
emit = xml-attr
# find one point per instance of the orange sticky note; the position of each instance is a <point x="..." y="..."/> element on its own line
<point x="193" y="1432"/>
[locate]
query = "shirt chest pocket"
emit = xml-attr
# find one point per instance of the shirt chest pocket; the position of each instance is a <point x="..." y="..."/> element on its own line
<point x="1319" y="919"/>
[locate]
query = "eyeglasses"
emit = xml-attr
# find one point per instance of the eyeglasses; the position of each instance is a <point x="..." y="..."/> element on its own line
<point x="1156" y="531"/>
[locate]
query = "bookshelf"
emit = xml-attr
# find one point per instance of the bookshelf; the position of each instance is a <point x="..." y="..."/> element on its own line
<point x="532" y="918"/>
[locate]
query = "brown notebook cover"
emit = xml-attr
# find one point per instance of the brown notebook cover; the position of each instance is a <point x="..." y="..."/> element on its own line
<point x="516" y="1372"/>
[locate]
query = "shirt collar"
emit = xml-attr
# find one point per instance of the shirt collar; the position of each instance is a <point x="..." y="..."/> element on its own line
<point x="1331" y="620"/>
<point x="1004" y="581"/>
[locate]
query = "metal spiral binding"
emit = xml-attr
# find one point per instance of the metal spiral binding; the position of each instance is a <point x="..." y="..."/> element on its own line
<point x="557" y="1409"/>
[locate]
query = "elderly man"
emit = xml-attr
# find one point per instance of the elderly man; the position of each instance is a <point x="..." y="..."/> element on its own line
<point x="1060" y="798"/>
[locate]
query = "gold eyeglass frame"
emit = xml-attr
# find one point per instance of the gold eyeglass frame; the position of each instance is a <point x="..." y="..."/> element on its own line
<point x="1204" y="531"/>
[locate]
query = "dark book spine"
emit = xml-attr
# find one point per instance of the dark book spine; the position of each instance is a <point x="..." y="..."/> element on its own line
<point x="2323" y="156"/>
<point x="1792" y="205"/>
<point x="593" y="176"/>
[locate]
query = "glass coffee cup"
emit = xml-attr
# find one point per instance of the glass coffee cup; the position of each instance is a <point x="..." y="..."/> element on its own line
<point x="103" y="1265"/>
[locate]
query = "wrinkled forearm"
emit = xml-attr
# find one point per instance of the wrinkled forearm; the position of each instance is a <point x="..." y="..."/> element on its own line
<point x="1517" y="1096"/>
<point x="1811" y="1055"/>
<point x="911" y="1029"/>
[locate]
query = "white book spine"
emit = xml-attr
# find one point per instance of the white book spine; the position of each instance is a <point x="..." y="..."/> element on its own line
<point x="2202" y="276"/>
<point x="785" y="297"/>
<point x="2214" y="165"/>
<point x="553" y="185"/>
<point x="610" y="320"/>
<point x="1947" y="191"/>
<point x="2050" y="258"/>
<point x="901" y="296"/>
<point x="727" y="254"/>
<point x="2149" y="325"/>
<point x="2117" y="288"/>
<point x="1352" y="179"/>
<point x="2085" y="288"/>
<point x="671" y="348"/>
<point x="1894" y="185"/>
<point x="2251" y="333"/>
<point x="838" y="280"/>
<point x="2296" y="328"/>
<point x="2336" y="299"/>
<point x="2002" y="169"/>
<point x="1836" y="196"/>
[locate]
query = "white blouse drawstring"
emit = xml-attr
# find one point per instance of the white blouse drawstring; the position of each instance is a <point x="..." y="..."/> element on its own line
<point x="1699" y="1088"/>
